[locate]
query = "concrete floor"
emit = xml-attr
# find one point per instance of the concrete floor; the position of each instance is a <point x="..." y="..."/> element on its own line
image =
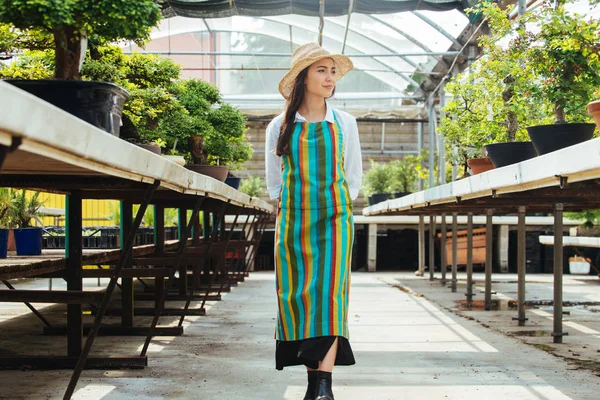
<point x="407" y="346"/>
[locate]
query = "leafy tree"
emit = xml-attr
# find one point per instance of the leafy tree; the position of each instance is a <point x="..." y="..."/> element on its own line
<point x="219" y="129"/>
<point x="71" y="20"/>
<point x="32" y="64"/>
<point x="378" y="178"/>
<point x="253" y="186"/>
<point x="496" y="100"/>
<point x="564" y="54"/>
<point x="405" y="174"/>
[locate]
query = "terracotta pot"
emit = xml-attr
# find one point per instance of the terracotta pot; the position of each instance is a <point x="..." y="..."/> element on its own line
<point x="214" y="171"/>
<point x="480" y="165"/>
<point x="594" y="111"/>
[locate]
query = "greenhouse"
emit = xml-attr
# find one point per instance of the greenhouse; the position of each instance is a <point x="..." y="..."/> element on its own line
<point x="399" y="197"/>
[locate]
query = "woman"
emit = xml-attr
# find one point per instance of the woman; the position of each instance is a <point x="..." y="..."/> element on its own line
<point x="314" y="169"/>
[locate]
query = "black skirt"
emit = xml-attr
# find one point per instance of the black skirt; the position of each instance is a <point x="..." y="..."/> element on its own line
<point x="310" y="351"/>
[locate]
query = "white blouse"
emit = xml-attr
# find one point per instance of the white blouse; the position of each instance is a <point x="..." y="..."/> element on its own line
<point x="352" y="153"/>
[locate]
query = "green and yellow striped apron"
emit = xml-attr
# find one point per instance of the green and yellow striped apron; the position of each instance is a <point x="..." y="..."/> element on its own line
<point x="313" y="235"/>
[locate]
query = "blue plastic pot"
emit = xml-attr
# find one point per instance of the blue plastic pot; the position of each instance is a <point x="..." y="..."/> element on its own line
<point x="3" y="242"/>
<point x="29" y="241"/>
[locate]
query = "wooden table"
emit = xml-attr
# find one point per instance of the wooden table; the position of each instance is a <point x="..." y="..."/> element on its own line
<point x="565" y="180"/>
<point x="44" y="148"/>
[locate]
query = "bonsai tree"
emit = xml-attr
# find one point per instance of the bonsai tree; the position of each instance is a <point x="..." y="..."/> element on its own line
<point x="378" y="178"/>
<point x="23" y="209"/>
<point x="218" y="134"/>
<point x="494" y="100"/>
<point x="564" y="54"/>
<point x="153" y="112"/>
<point x="502" y="72"/>
<point x="465" y="123"/>
<point x="71" y="22"/>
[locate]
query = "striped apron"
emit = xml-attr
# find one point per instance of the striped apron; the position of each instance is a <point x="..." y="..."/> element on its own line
<point x="313" y="235"/>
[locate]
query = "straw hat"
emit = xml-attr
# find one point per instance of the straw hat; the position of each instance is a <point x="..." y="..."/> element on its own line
<point x="303" y="57"/>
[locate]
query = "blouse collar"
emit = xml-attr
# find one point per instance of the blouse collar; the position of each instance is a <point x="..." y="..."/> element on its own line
<point x="328" y="115"/>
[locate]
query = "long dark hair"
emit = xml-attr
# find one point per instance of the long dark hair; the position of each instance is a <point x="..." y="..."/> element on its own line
<point x="291" y="107"/>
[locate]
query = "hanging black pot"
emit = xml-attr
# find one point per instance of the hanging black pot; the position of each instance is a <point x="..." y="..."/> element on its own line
<point x="549" y="138"/>
<point x="503" y="154"/>
<point x="98" y="103"/>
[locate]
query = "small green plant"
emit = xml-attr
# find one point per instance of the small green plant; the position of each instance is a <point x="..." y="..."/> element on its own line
<point x="378" y="178"/>
<point x="405" y="174"/>
<point x="171" y="215"/>
<point x="23" y="209"/>
<point x="5" y="206"/>
<point x="590" y="218"/>
<point x="114" y="214"/>
<point x="159" y="142"/>
<point x="253" y="186"/>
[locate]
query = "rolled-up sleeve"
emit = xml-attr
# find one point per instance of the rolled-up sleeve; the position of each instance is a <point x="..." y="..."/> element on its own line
<point x="353" y="158"/>
<point x="272" y="160"/>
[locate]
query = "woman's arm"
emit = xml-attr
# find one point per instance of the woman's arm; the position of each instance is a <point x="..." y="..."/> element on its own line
<point x="353" y="157"/>
<point x="272" y="160"/>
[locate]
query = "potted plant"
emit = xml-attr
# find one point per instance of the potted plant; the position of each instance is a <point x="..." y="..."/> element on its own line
<point x="507" y="85"/>
<point x="253" y="186"/>
<point x="218" y="130"/>
<point x="71" y="24"/>
<point x="377" y="182"/>
<point x="5" y="205"/>
<point x="465" y="124"/>
<point x="129" y="133"/>
<point x="564" y="54"/>
<point x="28" y="239"/>
<point x="405" y="175"/>
<point x="491" y="102"/>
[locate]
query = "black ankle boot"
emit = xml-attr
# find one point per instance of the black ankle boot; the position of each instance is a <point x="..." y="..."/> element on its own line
<point x="313" y="377"/>
<point x="324" y="387"/>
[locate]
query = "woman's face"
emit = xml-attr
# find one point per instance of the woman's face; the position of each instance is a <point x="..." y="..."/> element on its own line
<point x="320" y="79"/>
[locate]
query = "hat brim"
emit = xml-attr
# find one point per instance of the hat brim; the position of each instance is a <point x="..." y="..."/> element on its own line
<point x="342" y="66"/>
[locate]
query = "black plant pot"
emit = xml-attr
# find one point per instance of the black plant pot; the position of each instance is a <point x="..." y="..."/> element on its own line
<point x="378" y="198"/>
<point x="98" y="103"/>
<point x="503" y="154"/>
<point x="396" y="195"/>
<point x="233" y="182"/>
<point x="549" y="138"/>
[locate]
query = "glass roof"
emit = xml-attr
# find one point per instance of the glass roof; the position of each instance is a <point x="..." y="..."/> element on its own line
<point x="246" y="56"/>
